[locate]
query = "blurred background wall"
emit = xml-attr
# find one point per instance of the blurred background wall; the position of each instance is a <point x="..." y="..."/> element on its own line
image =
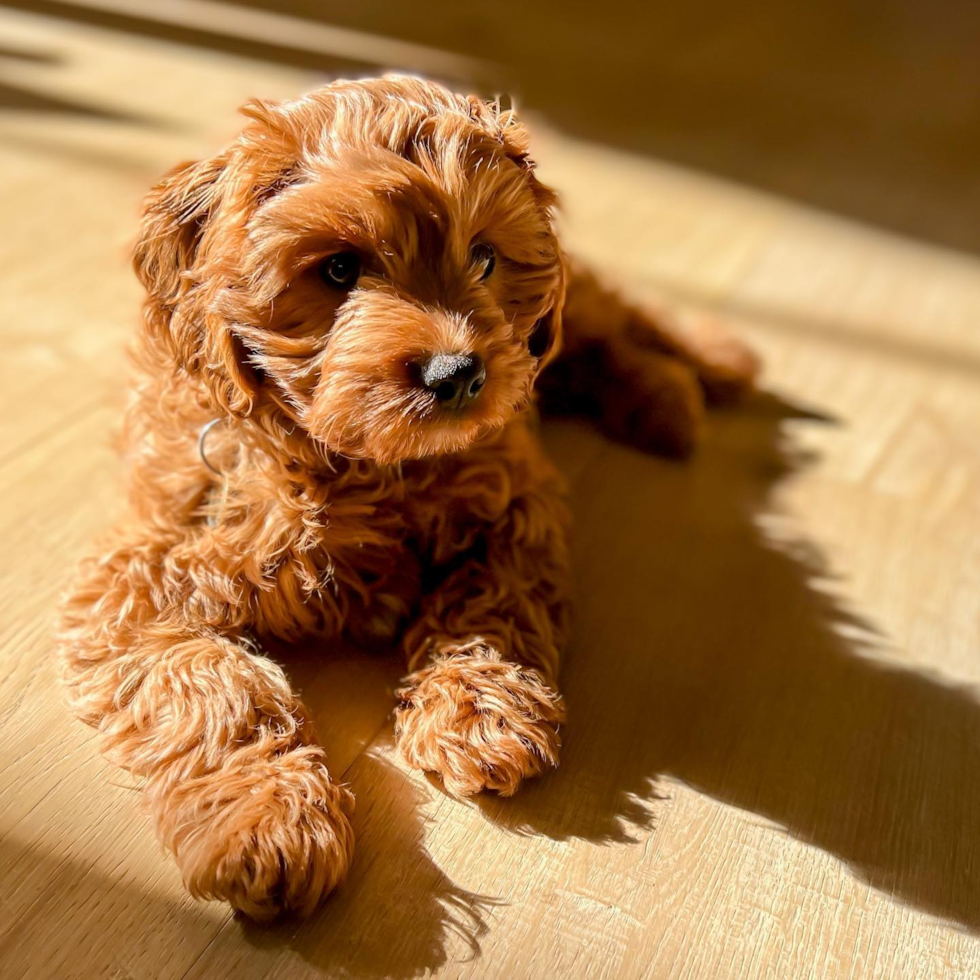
<point x="868" y="108"/>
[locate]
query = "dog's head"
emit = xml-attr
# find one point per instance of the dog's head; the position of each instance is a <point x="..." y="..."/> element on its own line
<point x="374" y="262"/>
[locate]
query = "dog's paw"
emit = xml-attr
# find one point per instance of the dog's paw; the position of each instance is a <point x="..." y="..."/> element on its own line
<point x="478" y="721"/>
<point x="727" y="366"/>
<point x="268" y="833"/>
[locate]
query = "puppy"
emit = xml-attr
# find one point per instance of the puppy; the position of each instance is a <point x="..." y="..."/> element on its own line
<point x="347" y="311"/>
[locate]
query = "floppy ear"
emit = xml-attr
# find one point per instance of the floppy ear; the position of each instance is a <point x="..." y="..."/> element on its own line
<point x="545" y="340"/>
<point x="504" y="126"/>
<point x="175" y="215"/>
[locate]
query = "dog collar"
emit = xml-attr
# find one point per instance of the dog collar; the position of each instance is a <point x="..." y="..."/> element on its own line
<point x="202" y="445"/>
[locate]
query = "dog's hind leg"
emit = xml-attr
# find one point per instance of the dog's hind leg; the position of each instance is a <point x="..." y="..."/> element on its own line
<point x="235" y="783"/>
<point x="481" y="704"/>
<point x="644" y="378"/>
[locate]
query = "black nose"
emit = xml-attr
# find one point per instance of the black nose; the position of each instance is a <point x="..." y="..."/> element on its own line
<point x="455" y="379"/>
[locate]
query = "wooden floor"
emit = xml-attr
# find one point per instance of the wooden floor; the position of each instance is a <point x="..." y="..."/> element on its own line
<point x="772" y="765"/>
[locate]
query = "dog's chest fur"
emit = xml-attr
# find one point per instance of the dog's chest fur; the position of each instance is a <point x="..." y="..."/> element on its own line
<point x="351" y="550"/>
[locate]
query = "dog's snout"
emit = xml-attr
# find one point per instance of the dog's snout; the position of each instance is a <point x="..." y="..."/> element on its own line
<point x="455" y="379"/>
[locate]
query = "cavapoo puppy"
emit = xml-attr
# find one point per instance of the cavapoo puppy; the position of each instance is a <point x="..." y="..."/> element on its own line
<point x="348" y="310"/>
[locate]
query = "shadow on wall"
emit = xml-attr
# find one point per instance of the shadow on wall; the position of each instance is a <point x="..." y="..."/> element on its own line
<point x="868" y="109"/>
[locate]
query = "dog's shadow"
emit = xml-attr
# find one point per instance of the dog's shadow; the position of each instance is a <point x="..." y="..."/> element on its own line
<point x="710" y="647"/>
<point x="707" y="648"/>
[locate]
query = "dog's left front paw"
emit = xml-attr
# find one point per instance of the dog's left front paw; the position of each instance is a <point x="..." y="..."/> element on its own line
<point x="479" y="721"/>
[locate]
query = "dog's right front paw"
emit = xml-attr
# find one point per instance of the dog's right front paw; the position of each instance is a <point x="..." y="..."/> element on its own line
<point x="269" y="834"/>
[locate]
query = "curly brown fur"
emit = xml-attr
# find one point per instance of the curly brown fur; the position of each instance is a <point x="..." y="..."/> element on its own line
<point x="478" y="720"/>
<point x="349" y="499"/>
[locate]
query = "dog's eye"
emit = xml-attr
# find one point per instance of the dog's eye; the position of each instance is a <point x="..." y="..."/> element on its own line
<point x="341" y="270"/>
<point x="483" y="258"/>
